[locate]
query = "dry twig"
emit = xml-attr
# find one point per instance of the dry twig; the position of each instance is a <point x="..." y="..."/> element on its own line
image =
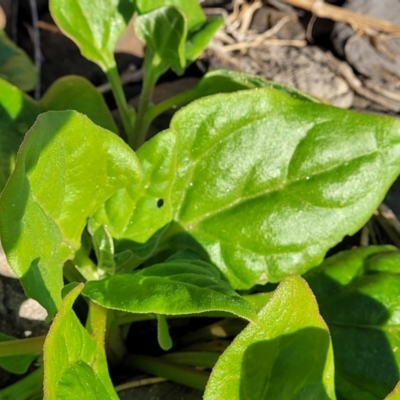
<point x="324" y="10"/>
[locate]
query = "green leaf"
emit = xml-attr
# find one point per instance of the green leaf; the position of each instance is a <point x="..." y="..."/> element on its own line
<point x="104" y="248"/>
<point x="226" y="81"/>
<point x="137" y="215"/>
<point x="189" y="8"/>
<point x="94" y="26"/>
<point x="172" y="288"/>
<point x="17" y="114"/>
<point x="77" y="93"/>
<point x="15" y="66"/>
<point x="15" y="364"/>
<point x="395" y="394"/>
<point x="361" y="307"/>
<point x="164" y="31"/>
<point x="66" y="168"/>
<point x="29" y="387"/>
<point x="267" y="184"/>
<point x="199" y="37"/>
<point x="287" y="354"/>
<point x="73" y="362"/>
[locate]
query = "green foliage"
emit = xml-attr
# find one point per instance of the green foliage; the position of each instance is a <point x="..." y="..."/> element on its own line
<point x="47" y="209"/>
<point x="94" y="26"/>
<point x="287" y="354"/>
<point x="246" y="187"/>
<point x="176" y="287"/>
<point x="359" y="296"/>
<point x="15" y="65"/>
<point x="75" y="363"/>
<point x="15" y="364"/>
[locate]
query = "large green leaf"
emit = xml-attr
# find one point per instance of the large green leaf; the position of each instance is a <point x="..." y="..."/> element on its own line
<point x="359" y="296"/>
<point x="267" y="183"/>
<point x="74" y="363"/>
<point x="164" y="31"/>
<point x="286" y="354"/>
<point x="137" y="215"/>
<point x="77" y="93"/>
<point x="15" y="66"/>
<point x="17" y="114"/>
<point x="173" y="288"/>
<point x="95" y="26"/>
<point x="15" y="364"/>
<point x="190" y="9"/>
<point x="66" y="168"/>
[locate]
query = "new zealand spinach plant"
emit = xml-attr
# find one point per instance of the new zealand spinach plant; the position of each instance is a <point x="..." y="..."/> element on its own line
<point x="250" y="186"/>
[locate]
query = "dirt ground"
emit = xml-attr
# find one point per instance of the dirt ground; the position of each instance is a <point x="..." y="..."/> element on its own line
<point x="351" y="59"/>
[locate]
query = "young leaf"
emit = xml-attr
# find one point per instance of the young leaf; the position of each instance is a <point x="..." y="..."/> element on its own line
<point x="77" y="93"/>
<point x="66" y="168"/>
<point x="199" y="37"/>
<point x="137" y="215"/>
<point x="267" y="183"/>
<point x="172" y="288"/>
<point x="103" y="245"/>
<point x="73" y="362"/>
<point x="361" y="305"/>
<point x="164" y="31"/>
<point x="17" y="114"/>
<point x="286" y="354"/>
<point x="15" y="364"/>
<point x="15" y="66"/>
<point x="190" y="9"/>
<point x="95" y="26"/>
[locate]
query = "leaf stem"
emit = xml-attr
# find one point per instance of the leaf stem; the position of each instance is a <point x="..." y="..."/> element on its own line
<point x="186" y="376"/>
<point x="206" y="359"/>
<point x="149" y="80"/>
<point x="22" y="346"/>
<point x="29" y="387"/>
<point x="126" y="112"/>
<point x="173" y="102"/>
<point x="96" y="324"/>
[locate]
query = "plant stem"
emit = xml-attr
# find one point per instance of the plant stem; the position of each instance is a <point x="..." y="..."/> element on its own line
<point x="22" y="346"/>
<point x="177" y="373"/>
<point x="96" y="324"/>
<point x="125" y="111"/>
<point x="206" y="359"/>
<point x="150" y="77"/>
<point x="29" y="387"/>
<point x="175" y="101"/>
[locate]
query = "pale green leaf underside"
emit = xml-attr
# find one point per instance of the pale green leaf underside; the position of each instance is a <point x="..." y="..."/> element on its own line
<point x="358" y="292"/>
<point x="74" y="366"/>
<point x="287" y="354"/>
<point x="267" y="183"/>
<point x="173" y="288"/>
<point x="66" y="168"/>
<point x="95" y="26"/>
